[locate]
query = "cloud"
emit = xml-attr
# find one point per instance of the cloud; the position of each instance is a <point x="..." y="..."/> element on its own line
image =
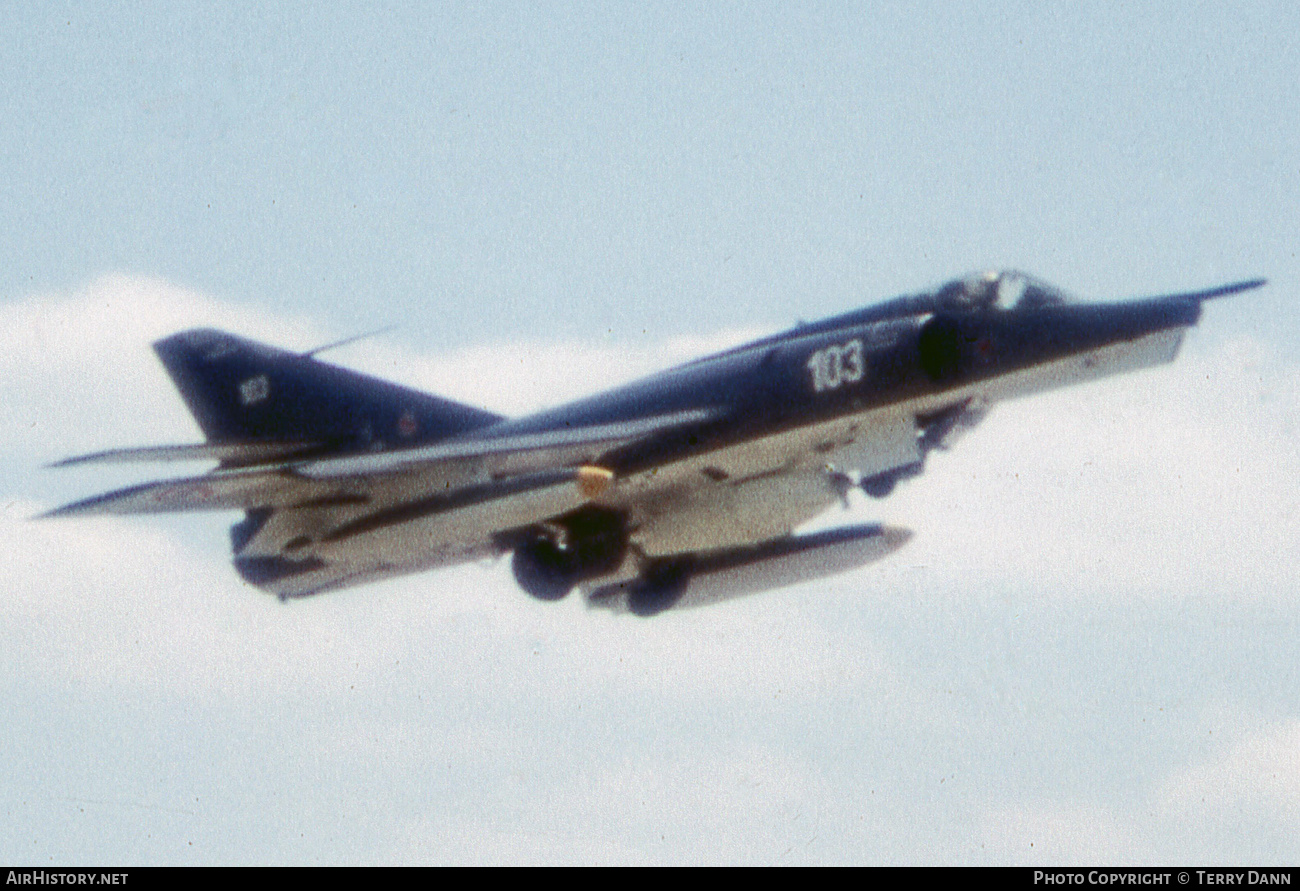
<point x="142" y="602"/>
<point x="80" y="373"/>
<point x="1177" y="481"/>
<point x="751" y="806"/>
<point x="1059" y="835"/>
<point x="1241" y="802"/>
<point x="1259" y="773"/>
<point x="124" y="603"/>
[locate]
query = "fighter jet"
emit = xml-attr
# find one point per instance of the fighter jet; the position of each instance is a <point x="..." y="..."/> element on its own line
<point x="680" y="489"/>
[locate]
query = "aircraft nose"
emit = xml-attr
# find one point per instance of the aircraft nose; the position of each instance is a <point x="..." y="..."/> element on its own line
<point x="1141" y="317"/>
<point x="1177" y="310"/>
<point x="1090" y="326"/>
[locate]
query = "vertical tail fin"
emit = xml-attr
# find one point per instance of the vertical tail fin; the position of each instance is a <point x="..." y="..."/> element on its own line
<point x="243" y="391"/>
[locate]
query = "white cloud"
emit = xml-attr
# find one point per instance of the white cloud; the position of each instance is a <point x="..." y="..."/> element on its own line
<point x="80" y="374"/>
<point x="1177" y="481"/>
<point x="1060" y="835"/>
<point x="132" y="601"/>
<point x="485" y="843"/>
<point x="1240" y="802"/>
<point x="753" y="806"/>
<point x="111" y="602"/>
<point x="1259" y="773"/>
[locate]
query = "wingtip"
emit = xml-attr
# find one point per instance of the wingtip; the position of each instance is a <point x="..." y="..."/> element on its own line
<point x="55" y="513"/>
<point x="84" y="508"/>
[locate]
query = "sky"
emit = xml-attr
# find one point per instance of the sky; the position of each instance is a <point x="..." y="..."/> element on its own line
<point x="1086" y="654"/>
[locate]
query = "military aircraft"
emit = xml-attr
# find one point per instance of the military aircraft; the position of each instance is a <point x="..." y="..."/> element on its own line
<point x="683" y="488"/>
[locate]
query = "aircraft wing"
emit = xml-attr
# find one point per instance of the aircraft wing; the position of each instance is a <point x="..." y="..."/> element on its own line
<point x="509" y="454"/>
<point x="231" y="454"/>
<point x="359" y="478"/>
<point x="222" y="490"/>
<point x="331" y="522"/>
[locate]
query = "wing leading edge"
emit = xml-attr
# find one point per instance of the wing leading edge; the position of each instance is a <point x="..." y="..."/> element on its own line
<point x="299" y="482"/>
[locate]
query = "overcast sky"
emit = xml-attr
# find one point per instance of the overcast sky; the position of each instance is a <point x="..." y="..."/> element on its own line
<point x="1088" y="651"/>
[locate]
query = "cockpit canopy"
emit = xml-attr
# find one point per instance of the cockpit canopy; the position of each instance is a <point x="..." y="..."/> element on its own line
<point x="1008" y="289"/>
<point x="985" y="292"/>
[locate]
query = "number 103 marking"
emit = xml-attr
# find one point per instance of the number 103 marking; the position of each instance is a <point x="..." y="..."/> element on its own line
<point x="837" y="364"/>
